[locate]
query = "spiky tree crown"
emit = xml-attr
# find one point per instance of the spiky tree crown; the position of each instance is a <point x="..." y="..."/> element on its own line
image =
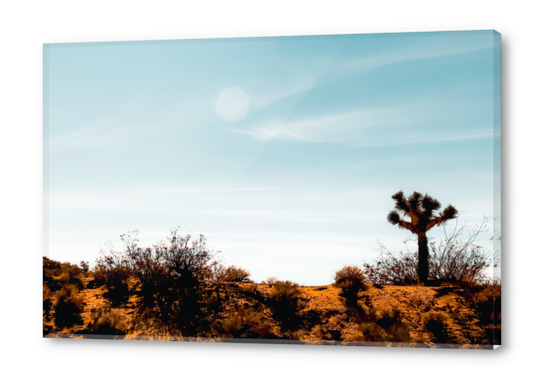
<point x="422" y="211"/>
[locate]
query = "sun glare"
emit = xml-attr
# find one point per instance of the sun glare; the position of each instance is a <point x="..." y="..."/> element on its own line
<point x="232" y="104"/>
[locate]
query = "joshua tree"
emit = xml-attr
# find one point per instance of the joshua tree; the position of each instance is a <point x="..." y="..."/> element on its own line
<point x="420" y="210"/>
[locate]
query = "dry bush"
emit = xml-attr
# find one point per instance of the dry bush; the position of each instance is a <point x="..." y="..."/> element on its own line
<point x="453" y="260"/>
<point x="391" y="321"/>
<point x="116" y="283"/>
<point x="486" y="300"/>
<point x="62" y="299"/>
<point x="376" y="323"/>
<point x="246" y="322"/>
<point x="350" y="280"/>
<point x="51" y="266"/>
<point x="391" y="269"/>
<point x="171" y="298"/>
<point x="270" y="281"/>
<point x="51" y="269"/>
<point x="68" y="306"/>
<point x="70" y="270"/>
<point x="287" y="303"/>
<point x="348" y="275"/>
<point x="233" y="274"/>
<point x="364" y="332"/>
<point x="55" y="274"/>
<point x="48" y="299"/>
<point x="437" y="323"/>
<point x="106" y="322"/>
<point x="84" y="266"/>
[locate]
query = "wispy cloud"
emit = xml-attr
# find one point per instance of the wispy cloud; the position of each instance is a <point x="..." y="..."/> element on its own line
<point x="403" y="124"/>
<point x="429" y="138"/>
<point x="233" y="189"/>
<point x="126" y="198"/>
<point x="334" y="128"/>
<point x="304" y="216"/>
<point x="271" y="92"/>
<point x="433" y="48"/>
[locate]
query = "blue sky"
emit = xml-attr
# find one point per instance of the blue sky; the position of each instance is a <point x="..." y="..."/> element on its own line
<point x="284" y="152"/>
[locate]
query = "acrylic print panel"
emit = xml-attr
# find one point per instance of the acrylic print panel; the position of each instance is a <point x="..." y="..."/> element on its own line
<point x="340" y="189"/>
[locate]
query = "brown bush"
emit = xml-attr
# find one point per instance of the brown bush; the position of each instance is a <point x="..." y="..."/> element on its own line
<point x="246" y="322"/>
<point x="287" y="303"/>
<point x="350" y="280"/>
<point x="68" y="306"/>
<point x="235" y="274"/>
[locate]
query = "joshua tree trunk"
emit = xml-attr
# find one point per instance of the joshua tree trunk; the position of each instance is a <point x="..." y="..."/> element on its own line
<point x="423" y="262"/>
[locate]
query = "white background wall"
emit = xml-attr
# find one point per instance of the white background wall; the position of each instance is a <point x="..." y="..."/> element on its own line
<point x="25" y="25"/>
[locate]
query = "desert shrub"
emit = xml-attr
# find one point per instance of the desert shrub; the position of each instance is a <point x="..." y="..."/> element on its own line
<point x="71" y="270"/>
<point x="68" y="306"/>
<point x="214" y="271"/>
<point x="364" y="332"/>
<point x="106" y="322"/>
<point x="455" y="259"/>
<point x="48" y="298"/>
<point x="207" y="273"/>
<point x="375" y="325"/>
<point x="50" y="264"/>
<point x="84" y="266"/>
<point x="364" y="310"/>
<point x="235" y="274"/>
<point x="348" y="275"/>
<point x="486" y="300"/>
<point x="328" y="327"/>
<point x="63" y="273"/>
<point x="171" y="295"/>
<point x="391" y="321"/>
<point x="55" y="274"/>
<point x="437" y="323"/>
<point x="116" y="283"/>
<point x="452" y="260"/>
<point x="246" y="322"/>
<point x="53" y="283"/>
<point x="286" y="302"/>
<point x="51" y="269"/>
<point x="270" y="281"/>
<point x="392" y="269"/>
<point x="67" y="278"/>
<point x="350" y="280"/>
<point x="218" y="272"/>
